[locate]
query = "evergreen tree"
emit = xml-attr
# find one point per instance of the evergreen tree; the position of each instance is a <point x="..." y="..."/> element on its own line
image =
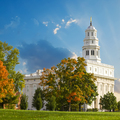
<point x="108" y="101"/>
<point x="24" y="102"/>
<point x="38" y="99"/>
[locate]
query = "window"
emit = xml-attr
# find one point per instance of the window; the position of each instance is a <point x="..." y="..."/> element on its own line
<point x="88" y="33"/>
<point x="90" y="68"/>
<point x="92" y="52"/>
<point x="27" y="88"/>
<point x="106" y="88"/>
<point x="91" y="33"/>
<point x="92" y="41"/>
<point x="100" y="87"/>
<point x="95" y="69"/>
<point x="87" y="52"/>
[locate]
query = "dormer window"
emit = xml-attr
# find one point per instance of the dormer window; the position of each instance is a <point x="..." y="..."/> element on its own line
<point x="91" y="33"/>
<point x="87" y="52"/>
<point x="88" y="33"/>
<point x="92" y="52"/>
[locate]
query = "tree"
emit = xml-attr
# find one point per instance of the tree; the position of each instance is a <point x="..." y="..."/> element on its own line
<point x="38" y="99"/>
<point x="108" y="101"/>
<point x="119" y="105"/>
<point x="24" y="102"/>
<point x="69" y="82"/>
<point x="9" y="57"/>
<point x="51" y="105"/>
<point x="6" y="84"/>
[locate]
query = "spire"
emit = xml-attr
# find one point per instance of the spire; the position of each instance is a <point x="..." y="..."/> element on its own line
<point x="90" y="21"/>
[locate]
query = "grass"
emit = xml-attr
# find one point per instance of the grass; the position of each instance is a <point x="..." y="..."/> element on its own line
<point x="57" y="115"/>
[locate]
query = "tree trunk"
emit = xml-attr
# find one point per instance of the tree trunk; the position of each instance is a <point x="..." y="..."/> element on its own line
<point x="1" y="105"/>
<point x="69" y="106"/>
<point x="80" y="106"/>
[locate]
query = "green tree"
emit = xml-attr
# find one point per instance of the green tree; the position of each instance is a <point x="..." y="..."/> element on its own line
<point x="38" y="99"/>
<point x="24" y="102"/>
<point x="51" y="105"/>
<point x="69" y="82"/>
<point x="108" y="101"/>
<point x="119" y="105"/>
<point x="9" y="57"/>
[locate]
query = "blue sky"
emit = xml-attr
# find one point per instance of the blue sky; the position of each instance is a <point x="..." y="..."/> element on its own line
<point x="46" y="31"/>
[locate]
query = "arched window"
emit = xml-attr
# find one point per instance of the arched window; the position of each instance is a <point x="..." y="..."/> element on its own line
<point x="88" y="33"/>
<point x="92" y="52"/>
<point x="87" y="52"/>
<point x="91" y="33"/>
<point x="27" y="88"/>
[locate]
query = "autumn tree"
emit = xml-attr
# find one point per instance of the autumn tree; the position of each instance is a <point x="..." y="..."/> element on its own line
<point x="6" y="84"/>
<point x="108" y="101"/>
<point x="10" y="57"/>
<point x="69" y="82"/>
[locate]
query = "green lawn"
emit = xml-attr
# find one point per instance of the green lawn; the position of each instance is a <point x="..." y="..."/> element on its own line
<point x="58" y="115"/>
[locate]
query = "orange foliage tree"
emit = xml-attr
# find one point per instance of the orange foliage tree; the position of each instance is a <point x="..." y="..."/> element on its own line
<point x="6" y="85"/>
<point x="69" y="82"/>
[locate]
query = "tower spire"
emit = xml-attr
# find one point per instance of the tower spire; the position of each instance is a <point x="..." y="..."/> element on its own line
<point x="90" y="21"/>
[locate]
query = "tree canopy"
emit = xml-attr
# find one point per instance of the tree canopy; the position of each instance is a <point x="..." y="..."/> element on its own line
<point x="108" y="101"/>
<point x="6" y="84"/>
<point x="69" y="82"/>
<point x="10" y="57"/>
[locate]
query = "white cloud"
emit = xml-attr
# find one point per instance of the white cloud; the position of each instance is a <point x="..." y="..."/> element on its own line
<point x="74" y="56"/>
<point x="24" y="63"/>
<point x="36" y="22"/>
<point x="63" y="20"/>
<point x="45" y="23"/>
<point x="70" y="21"/>
<point x="13" y="24"/>
<point x="56" y="29"/>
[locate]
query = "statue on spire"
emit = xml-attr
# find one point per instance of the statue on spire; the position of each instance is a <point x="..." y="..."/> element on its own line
<point x="90" y="21"/>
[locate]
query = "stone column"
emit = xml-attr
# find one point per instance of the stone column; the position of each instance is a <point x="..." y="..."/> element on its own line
<point x="103" y="89"/>
<point x="113" y="88"/>
<point x="108" y="87"/>
<point x="98" y="106"/>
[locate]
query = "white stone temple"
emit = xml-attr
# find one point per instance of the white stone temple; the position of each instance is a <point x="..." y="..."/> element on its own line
<point x="103" y="72"/>
<point x="91" y="52"/>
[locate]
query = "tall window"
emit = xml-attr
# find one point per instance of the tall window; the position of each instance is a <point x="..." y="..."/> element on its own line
<point x="92" y="52"/>
<point x="87" y="52"/>
<point x="88" y="33"/>
<point x="27" y="88"/>
<point x="91" y="33"/>
<point x="92" y="41"/>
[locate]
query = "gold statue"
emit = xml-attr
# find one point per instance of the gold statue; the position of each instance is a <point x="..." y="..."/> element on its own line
<point x="90" y="19"/>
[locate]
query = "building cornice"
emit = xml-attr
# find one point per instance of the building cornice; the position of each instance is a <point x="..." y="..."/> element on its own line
<point x="106" y="77"/>
<point x="99" y="64"/>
